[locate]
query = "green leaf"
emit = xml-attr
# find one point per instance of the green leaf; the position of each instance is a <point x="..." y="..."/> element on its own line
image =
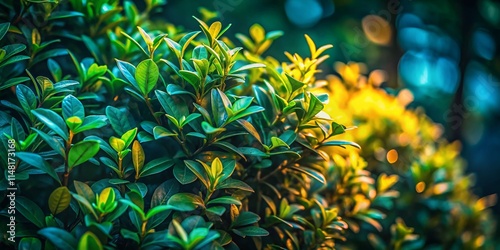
<point x="288" y="137"/>
<point x="117" y="144"/>
<point x="247" y="112"/>
<point x="138" y="157"/>
<point x="85" y="191"/>
<point x="219" y="103"/>
<point x="186" y="40"/>
<point x="92" y="47"/>
<point x="173" y="89"/>
<point x="64" y="14"/>
<point x="138" y="187"/>
<point x="92" y="122"/>
<point x="52" y="120"/>
<point x="245" y="218"/>
<point x="294" y="83"/>
<point x="229" y="148"/>
<point x="128" y="71"/>
<point x="49" y="54"/>
<point x="340" y="143"/>
<point x="37" y="161"/>
<point x="225" y="200"/>
<point x="156" y="166"/>
<point x="129" y="136"/>
<point x="13" y="81"/>
<point x="85" y="204"/>
<point x="31" y="211"/>
<point x="277" y="142"/>
<point x="199" y="171"/>
<point x="59" y="237"/>
<point x="30" y="243"/>
<point x="248" y="66"/>
<point x="315" y="106"/>
<point x="236" y="184"/>
<point x="146" y="37"/>
<point x="185" y="202"/>
<point x="190" y="118"/>
<point x="136" y="43"/>
<point x="127" y="234"/>
<point x="252" y="152"/>
<point x="172" y="106"/>
<point x="311" y="173"/>
<point x="250" y="129"/>
<point x="163" y="192"/>
<point x="160" y="132"/>
<point x="192" y="77"/>
<point x="251" y="231"/>
<point x="241" y="104"/>
<point x="59" y="200"/>
<point x="183" y="174"/>
<point x="4" y="27"/>
<point x="147" y="75"/>
<point x="89" y="241"/>
<point x="118" y="120"/>
<point x="82" y="152"/>
<point x="209" y="129"/>
<point x="52" y="142"/>
<point x="156" y="210"/>
<point x="73" y="123"/>
<point x="26" y="98"/>
<point x="218" y="210"/>
<point x="55" y="69"/>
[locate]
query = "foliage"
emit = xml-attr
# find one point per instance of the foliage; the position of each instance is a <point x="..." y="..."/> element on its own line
<point x="131" y="133"/>
<point x="436" y="196"/>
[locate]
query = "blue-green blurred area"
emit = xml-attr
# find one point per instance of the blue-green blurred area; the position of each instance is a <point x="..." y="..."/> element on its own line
<point x="445" y="51"/>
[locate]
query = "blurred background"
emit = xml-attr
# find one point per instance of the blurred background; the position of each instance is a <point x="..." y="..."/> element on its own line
<point x="444" y="51"/>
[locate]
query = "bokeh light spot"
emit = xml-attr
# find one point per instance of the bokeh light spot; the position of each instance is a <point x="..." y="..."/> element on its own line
<point x="392" y="156"/>
<point x="377" y="29"/>
<point x="420" y="187"/>
<point x="483" y="44"/>
<point x="303" y="13"/>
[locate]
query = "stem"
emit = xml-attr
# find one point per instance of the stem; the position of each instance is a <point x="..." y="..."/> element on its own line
<point x="207" y="198"/>
<point x="66" y="167"/>
<point x="272" y="173"/>
<point x="120" y="167"/>
<point x="148" y="103"/>
<point x="183" y="145"/>
<point x="143" y="229"/>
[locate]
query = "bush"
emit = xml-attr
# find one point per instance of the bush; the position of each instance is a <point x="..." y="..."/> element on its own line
<point x="436" y="196"/>
<point x="122" y="132"/>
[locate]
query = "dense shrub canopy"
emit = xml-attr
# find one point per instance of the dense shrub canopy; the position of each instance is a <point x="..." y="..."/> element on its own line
<point x="128" y="133"/>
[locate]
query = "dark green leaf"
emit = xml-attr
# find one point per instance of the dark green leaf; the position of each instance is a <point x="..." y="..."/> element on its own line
<point x="37" y="161"/>
<point x="71" y="106"/>
<point x="251" y="231"/>
<point x="30" y="243"/>
<point x="185" y="202"/>
<point x="52" y="120"/>
<point x="225" y="200"/>
<point x="183" y="174"/>
<point x="236" y="184"/>
<point x="163" y="192"/>
<point x="340" y="143"/>
<point x="26" y="98"/>
<point x="31" y="211"/>
<point x="82" y="152"/>
<point x="156" y="166"/>
<point x="59" y="237"/>
<point x="118" y="120"/>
